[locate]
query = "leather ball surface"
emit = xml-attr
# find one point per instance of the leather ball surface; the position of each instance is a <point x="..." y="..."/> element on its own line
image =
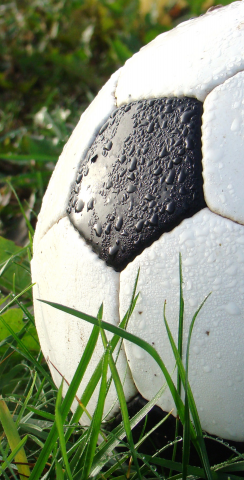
<point x="155" y="167"/>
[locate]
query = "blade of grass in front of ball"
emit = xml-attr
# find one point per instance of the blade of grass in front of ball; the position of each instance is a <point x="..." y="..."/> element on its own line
<point x="124" y="324"/>
<point x="197" y="472"/>
<point x="186" y="427"/>
<point x="199" y="445"/>
<point x="118" y="433"/>
<point x="59" y="420"/>
<point x="132" y="338"/>
<point x="234" y="467"/>
<point x="122" y="401"/>
<point x="78" y="449"/>
<point x="94" y="429"/>
<point x="66" y="404"/>
<point x="98" y="370"/>
<point x="180" y="348"/>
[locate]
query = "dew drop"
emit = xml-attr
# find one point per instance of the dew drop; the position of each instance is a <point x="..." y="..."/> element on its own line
<point x="98" y="229"/>
<point x="108" y="229"/>
<point x="90" y="204"/>
<point x="113" y="250"/>
<point x="170" y="207"/>
<point x="119" y="223"/>
<point x="79" y="177"/>
<point x="150" y="127"/>
<point x="138" y="352"/>
<point x="122" y="158"/>
<point x="154" y="219"/>
<point x="149" y="197"/>
<point x="170" y="178"/>
<point x="79" y="206"/>
<point x="133" y="164"/>
<point x="131" y="188"/>
<point x="207" y="369"/>
<point x="139" y="225"/>
<point x="232" y="308"/>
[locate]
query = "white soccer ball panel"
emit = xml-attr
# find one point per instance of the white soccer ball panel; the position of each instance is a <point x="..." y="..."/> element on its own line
<point x="56" y="198"/>
<point x="212" y="261"/>
<point x="223" y="147"/>
<point x="68" y="272"/>
<point x="189" y="60"/>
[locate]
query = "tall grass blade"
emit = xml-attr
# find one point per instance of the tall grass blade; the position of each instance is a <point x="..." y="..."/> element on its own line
<point x="95" y="426"/>
<point x="26" y="400"/>
<point x="114" y="437"/>
<point x="67" y="402"/>
<point x="28" y="224"/>
<point x="123" y="406"/>
<point x="25" y="352"/>
<point x="59" y="471"/>
<point x="11" y="302"/>
<point x="181" y="325"/>
<point x="13" y="455"/>
<point x="59" y="423"/>
<point x="180" y="349"/>
<point x="14" y="441"/>
<point x="98" y="370"/>
<point x="132" y="338"/>
<point x="199" y="445"/>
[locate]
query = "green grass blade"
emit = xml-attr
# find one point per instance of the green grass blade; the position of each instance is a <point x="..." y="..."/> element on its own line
<point x="234" y="467"/>
<point x="28" y="224"/>
<point x="94" y="429"/>
<point x="25" y="310"/>
<point x="123" y="405"/>
<point x="14" y="441"/>
<point x="24" y="351"/>
<point x="113" y="439"/>
<point x="14" y="298"/>
<point x="26" y="400"/>
<point x="132" y="338"/>
<point x="11" y="157"/>
<point x="177" y="466"/>
<point x="199" y="445"/>
<point x="46" y="415"/>
<point x="59" y="423"/>
<point x="14" y="455"/>
<point x="59" y="471"/>
<point x="180" y="349"/>
<point x="98" y="370"/>
<point x="180" y="327"/>
<point x="67" y="402"/>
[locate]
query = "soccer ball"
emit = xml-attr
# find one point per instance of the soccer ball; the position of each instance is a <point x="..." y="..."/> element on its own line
<point x="155" y="167"/>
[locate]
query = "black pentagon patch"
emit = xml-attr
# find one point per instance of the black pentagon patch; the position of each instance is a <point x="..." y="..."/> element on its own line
<point x="141" y="177"/>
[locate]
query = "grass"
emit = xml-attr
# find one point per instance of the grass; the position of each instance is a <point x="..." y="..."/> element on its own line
<point x="42" y="439"/>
